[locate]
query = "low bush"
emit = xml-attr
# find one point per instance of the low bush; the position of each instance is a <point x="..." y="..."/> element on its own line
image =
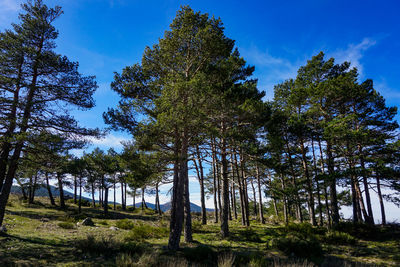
<point x="299" y="246"/>
<point x="201" y="253"/>
<point x="339" y="238"/>
<point x="145" y="231"/>
<point x="105" y="245"/>
<point x="66" y="225"/>
<point x="103" y="222"/>
<point x="196" y="226"/>
<point x="125" y="224"/>
<point x="360" y="230"/>
<point x="305" y="229"/>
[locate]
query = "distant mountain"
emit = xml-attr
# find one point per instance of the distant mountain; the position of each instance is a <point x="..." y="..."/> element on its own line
<point x="167" y="206"/>
<point x="42" y="192"/>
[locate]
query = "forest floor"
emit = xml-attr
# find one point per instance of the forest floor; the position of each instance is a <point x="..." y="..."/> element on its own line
<point x="41" y="235"/>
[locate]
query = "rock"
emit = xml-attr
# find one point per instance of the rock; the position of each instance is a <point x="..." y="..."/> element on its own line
<point x="45" y="220"/>
<point x="3" y="229"/>
<point x="88" y="222"/>
<point x="113" y="228"/>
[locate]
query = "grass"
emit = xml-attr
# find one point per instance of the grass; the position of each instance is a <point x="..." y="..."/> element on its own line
<point x="41" y="235"/>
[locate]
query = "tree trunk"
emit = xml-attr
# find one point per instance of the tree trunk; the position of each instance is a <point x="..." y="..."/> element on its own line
<point x="383" y="213"/>
<point x="241" y="194"/>
<point x="202" y="192"/>
<point x="366" y="189"/>
<point x="331" y="171"/>
<point x="311" y="206"/>
<point x="80" y="195"/>
<point x="75" y="189"/>
<point x="177" y="209"/>
<point x="115" y="204"/>
<point x="93" y="200"/>
<point x="49" y="190"/>
<point x="321" y="218"/>
<point x="260" y="203"/>
<point x="105" y="201"/>
<point x="188" y="217"/>
<point x="233" y="190"/>
<point x="328" y="213"/>
<point x="254" y="197"/>
<point x="215" y="185"/>
<point x="60" y="188"/>
<point x="285" y="205"/>
<point x="225" y="188"/>
<point x="123" y="197"/>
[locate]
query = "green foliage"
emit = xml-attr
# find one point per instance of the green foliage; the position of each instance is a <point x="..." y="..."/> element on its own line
<point x="305" y="229"/>
<point x="299" y="246"/>
<point x="104" y="245"/>
<point x="201" y="253"/>
<point x="66" y="225"/>
<point x="125" y="224"/>
<point x="339" y="238"/>
<point x="144" y="231"/>
<point x="360" y="230"/>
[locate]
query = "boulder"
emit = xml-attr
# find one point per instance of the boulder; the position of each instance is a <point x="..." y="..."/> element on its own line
<point x="88" y="222"/>
<point x="113" y="228"/>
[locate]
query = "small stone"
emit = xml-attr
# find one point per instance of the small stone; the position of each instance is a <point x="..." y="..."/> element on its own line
<point x="113" y="228"/>
<point x="88" y="222"/>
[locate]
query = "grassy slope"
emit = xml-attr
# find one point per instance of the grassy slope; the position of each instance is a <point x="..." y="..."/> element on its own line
<point x="35" y="238"/>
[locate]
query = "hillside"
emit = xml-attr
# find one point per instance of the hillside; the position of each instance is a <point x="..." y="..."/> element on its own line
<point x="42" y="192"/>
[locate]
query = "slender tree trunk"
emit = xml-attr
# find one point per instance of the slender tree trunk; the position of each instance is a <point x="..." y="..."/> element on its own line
<point x="383" y="213"/>
<point x="260" y="212"/>
<point x="49" y="189"/>
<point x="361" y="201"/>
<point x="311" y="206"/>
<point x="254" y="197"/>
<point x="328" y="213"/>
<point x="60" y="187"/>
<point x="105" y="202"/>
<point x="366" y="189"/>
<point x="245" y="194"/>
<point x="215" y="185"/>
<point x="321" y="218"/>
<point x="331" y="171"/>
<point x="75" y="189"/>
<point x="122" y="197"/>
<point x="125" y="194"/>
<point x="225" y="187"/>
<point x="93" y="200"/>
<point x="80" y="195"/>
<point x="143" y="201"/>
<point x="158" y="209"/>
<point x="285" y="204"/>
<point x="134" y="198"/>
<point x="200" y="176"/>
<point x="241" y="194"/>
<point x="115" y="199"/>
<point x="233" y="190"/>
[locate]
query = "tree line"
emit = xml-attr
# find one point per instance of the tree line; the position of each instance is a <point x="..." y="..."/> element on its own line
<point x="193" y="106"/>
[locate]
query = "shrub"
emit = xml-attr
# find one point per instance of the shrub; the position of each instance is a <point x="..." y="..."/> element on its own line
<point x="145" y="231"/>
<point x="360" y="230"/>
<point x="125" y="224"/>
<point x="337" y="238"/>
<point x="98" y="245"/>
<point x="250" y="235"/>
<point x="66" y="225"/>
<point x="103" y="222"/>
<point x="201" y="253"/>
<point x="297" y="245"/>
<point x="305" y="229"/>
<point x="196" y="226"/>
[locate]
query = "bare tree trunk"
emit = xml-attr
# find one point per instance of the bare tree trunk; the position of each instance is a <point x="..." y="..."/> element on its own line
<point x="75" y="189"/>
<point x="233" y="190"/>
<point x="200" y="175"/>
<point x="188" y="217"/>
<point x="383" y="213"/>
<point x="177" y="209"/>
<point x="49" y="189"/>
<point x="115" y="200"/>
<point x="309" y="185"/>
<point x="80" y="195"/>
<point x="225" y="187"/>
<point x="93" y="200"/>
<point x="214" y="166"/>
<point x="241" y="194"/>
<point x="260" y="212"/>
<point x="328" y="213"/>
<point x="105" y="204"/>
<point x="60" y="187"/>
<point x="123" y="197"/>
<point x="285" y="204"/>
<point x="254" y="197"/>
<point x="321" y="218"/>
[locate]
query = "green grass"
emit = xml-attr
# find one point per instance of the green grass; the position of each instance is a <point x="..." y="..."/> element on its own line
<point x="41" y="235"/>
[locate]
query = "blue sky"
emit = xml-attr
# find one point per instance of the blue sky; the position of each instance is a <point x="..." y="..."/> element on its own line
<point x="276" y="36"/>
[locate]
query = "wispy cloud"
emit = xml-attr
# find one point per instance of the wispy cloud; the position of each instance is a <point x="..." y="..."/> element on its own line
<point x="354" y="53"/>
<point x="270" y="69"/>
<point x="110" y="141"/>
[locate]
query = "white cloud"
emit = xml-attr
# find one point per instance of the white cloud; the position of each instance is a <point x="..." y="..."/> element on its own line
<point x="354" y="53"/>
<point x="109" y="141"/>
<point x="270" y="70"/>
